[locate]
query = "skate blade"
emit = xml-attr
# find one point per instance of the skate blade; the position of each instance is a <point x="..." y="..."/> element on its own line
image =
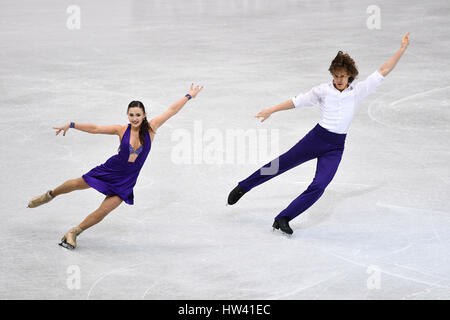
<point x="287" y="235"/>
<point x="66" y="245"/>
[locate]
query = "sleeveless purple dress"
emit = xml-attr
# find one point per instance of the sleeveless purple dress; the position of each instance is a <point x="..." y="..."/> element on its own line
<point x="117" y="176"/>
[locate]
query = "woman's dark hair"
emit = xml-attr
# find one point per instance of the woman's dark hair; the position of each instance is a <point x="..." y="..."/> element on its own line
<point x="344" y="61"/>
<point x="144" y="125"/>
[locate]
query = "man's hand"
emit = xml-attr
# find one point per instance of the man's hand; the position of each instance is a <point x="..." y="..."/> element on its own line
<point x="264" y="114"/>
<point x="405" y="41"/>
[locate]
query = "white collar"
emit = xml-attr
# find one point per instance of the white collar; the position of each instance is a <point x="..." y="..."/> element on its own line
<point x="349" y="88"/>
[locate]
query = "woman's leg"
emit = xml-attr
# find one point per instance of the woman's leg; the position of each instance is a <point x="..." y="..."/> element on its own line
<point x="327" y="166"/>
<point x="69" y="240"/>
<point x="69" y="186"/>
<point x="109" y="204"/>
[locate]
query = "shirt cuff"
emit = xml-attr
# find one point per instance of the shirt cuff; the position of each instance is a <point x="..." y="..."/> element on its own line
<point x="379" y="75"/>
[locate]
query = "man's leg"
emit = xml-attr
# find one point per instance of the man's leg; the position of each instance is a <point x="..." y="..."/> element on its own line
<point x="306" y="149"/>
<point x="327" y="166"/>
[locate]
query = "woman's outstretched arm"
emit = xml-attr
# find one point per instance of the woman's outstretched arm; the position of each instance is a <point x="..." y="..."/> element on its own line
<point x="389" y="65"/>
<point x="90" y="128"/>
<point x="158" y="121"/>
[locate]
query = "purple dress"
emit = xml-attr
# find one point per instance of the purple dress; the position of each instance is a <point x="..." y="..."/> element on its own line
<point x="117" y="176"/>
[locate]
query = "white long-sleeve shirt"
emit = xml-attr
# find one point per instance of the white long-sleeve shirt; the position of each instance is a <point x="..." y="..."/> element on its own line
<point x="338" y="108"/>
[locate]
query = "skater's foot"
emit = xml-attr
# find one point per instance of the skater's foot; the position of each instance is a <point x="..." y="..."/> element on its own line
<point x="283" y="225"/>
<point x="235" y="195"/>
<point x="39" y="200"/>
<point x="69" y="241"/>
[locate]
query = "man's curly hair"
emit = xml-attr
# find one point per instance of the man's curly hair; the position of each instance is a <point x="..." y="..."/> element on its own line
<point x="344" y="61"/>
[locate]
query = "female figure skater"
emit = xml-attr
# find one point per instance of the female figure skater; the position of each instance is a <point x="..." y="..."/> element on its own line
<point x="338" y="102"/>
<point x="117" y="176"/>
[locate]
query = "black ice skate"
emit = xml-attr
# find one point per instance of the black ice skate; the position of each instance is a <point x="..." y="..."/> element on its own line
<point x="235" y="195"/>
<point x="283" y="225"/>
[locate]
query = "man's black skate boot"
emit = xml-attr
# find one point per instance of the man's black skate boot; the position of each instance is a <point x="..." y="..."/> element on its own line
<point x="283" y="225"/>
<point x="235" y="195"/>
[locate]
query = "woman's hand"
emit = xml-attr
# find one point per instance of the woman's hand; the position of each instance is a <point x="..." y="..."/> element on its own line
<point x="59" y="129"/>
<point x="194" y="91"/>
<point x="264" y="114"/>
<point x="405" y="41"/>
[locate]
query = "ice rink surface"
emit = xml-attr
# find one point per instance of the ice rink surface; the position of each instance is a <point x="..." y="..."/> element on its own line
<point x="381" y="229"/>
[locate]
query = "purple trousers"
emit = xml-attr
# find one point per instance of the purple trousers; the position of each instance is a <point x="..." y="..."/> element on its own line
<point x="319" y="143"/>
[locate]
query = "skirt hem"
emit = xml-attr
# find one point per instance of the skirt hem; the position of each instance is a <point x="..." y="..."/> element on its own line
<point x="104" y="188"/>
